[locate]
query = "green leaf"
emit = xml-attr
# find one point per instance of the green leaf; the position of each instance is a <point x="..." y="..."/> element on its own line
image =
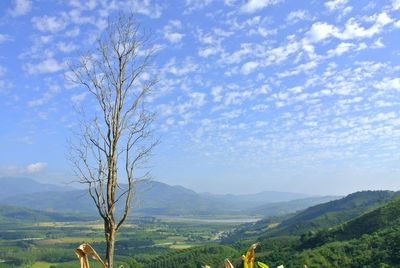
<point x="262" y="265"/>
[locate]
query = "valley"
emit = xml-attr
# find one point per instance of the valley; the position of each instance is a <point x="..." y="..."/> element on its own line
<point x="43" y="244"/>
<point x="352" y="231"/>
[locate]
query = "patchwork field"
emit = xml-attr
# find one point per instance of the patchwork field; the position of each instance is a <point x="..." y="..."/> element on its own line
<point x="52" y="244"/>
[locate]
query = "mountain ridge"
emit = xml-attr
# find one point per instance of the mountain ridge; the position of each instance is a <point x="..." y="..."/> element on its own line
<point x="152" y="198"/>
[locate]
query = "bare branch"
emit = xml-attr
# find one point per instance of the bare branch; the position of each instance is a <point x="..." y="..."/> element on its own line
<point x="116" y="139"/>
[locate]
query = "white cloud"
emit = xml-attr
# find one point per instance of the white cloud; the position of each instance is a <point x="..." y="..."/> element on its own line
<point x="341" y="48"/>
<point x="396" y="4"/>
<point x="187" y="66"/>
<point x="5" y="38"/>
<point x="237" y="56"/>
<point x="145" y="7"/>
<point x="281" y="53"/>
<point x="73" y="32"/>
<point x="249" y="67"/>
<point x="21" y="7"/>
<point x="320" y="31"/>
<point x="170" y="31"/>
<point x="256" y="5"/>
<point x="18" y="170"/>
<point x="335" y="4"/>
<point x="35" y="167"/>
<point x="75" y="16"/>
<point x="389" y="84"/>
<point x="298" y="15"/>
<point x="208" y="51"/>
<point x="66" y="47"/>
<point x="378" y="43"/>
<point x="49" y="23"/>
<point x="78" y="98"/>
<point x="198" y="98"/>
<point x="46" y="97"/>
<point x="85" y="4"/>
<point x="305" y="67"/>
<point x="192" y="5"/>
<point x="173" y="37"/>
<point x="237" y="97"/>
<point x="49" y="65"/>
<point x="353" y="30"/>
<point x="216" y="93"/>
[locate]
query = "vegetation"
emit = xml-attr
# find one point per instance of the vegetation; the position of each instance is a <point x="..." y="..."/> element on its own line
<point x="193" y="257"/>
<point x="336" y="212"/>
<point x="371" y="239"/>
<point x="42" y="243"/>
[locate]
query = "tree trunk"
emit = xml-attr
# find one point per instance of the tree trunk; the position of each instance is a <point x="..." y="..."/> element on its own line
<point x="110" y="241"/>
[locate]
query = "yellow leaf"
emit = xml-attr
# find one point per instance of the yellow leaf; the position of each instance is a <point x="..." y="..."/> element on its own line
<point x="85" y="250"/>
<point x="248" y="260"/>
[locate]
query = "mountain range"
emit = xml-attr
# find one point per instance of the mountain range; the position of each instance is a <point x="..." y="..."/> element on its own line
<point x="154" y="198"/>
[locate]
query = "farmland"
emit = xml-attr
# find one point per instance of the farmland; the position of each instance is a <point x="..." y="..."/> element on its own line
<point x="52" y="244"/>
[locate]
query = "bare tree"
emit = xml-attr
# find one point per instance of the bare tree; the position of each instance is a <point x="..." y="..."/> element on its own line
<point x="116" y="138"/>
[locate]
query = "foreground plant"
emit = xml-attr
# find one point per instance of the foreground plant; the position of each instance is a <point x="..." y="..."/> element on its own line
<point x="248" y="260"/>
<point x="84" y="251"/>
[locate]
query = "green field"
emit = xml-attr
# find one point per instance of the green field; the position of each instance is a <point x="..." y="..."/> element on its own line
<point x="52" y="244"/>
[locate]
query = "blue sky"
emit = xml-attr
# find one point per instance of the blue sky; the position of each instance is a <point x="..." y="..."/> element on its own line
<point x="254" y="94"/>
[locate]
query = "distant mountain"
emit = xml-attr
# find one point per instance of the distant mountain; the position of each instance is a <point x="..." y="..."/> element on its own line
<point x="156" y="198"/>
<point x="70" y="201"/>
<point x="14" y="214"/>
<point x="282" y="208"/>
<point x="258" y="199"/>
<point x="10" y="186"/>
<point x="152" y="198"/>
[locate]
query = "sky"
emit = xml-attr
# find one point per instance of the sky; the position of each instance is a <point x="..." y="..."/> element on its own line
<point x="253" y="95"/>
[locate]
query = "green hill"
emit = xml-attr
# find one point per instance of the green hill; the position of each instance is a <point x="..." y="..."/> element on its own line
<point x="387" y="216"/>
<point x="313" y="218"/>
<point x="369" y="240"/>
<point x="334" y="212"/>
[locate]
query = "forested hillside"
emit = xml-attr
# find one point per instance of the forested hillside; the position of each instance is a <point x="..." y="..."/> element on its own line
<point x="334" y="212"/>
<point x="369" y="240"/>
